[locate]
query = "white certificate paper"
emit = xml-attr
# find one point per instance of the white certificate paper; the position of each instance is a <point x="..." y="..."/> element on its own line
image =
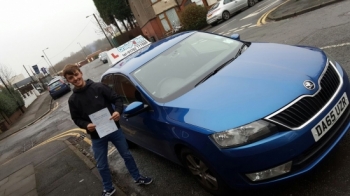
<point x="104" y="125"/>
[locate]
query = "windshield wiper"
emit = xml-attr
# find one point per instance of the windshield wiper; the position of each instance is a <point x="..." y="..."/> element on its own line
<point x="240" y="51"/>
<point x="214" y="72"/>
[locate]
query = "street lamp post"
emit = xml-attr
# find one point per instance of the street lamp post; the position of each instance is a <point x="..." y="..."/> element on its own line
<point x="102" y="30"/>
<point x="49" y="61"/>
<point x="82" y="49"/>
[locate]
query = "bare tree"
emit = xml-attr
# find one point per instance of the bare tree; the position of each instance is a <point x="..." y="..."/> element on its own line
<point x="6" y="73"/>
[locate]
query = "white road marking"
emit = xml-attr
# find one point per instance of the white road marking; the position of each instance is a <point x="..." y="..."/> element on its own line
<point x="252" y="26"/>
<point x="263" y="3"/>
<point x="232" y="29"/>
<point x="259" y="10"/>
<point x="246" y="25"/>
<point x="337" y="45"/>
<point x="224" y="25"/>
<point x="237" y="30"/>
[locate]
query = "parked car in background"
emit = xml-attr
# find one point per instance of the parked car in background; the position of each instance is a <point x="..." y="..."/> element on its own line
<point x="223" y="9"/>
<point x="58" y="86"/>
<point x="236" y="114"/>
<point x="103" y="57"/>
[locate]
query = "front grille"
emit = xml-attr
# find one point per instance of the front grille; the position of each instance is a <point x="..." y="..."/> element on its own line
<point x="303" y="110"/>
<point x="321" y="145"/>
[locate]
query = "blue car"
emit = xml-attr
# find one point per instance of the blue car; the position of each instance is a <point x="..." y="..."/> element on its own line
<point x="236" y="114"/>
<point x="58" y="87"/>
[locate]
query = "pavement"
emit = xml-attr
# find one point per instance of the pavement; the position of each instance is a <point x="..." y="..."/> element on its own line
<point x="292" y="8"/>
<point x="53" y="168"/>
<point x="57" y="167"/>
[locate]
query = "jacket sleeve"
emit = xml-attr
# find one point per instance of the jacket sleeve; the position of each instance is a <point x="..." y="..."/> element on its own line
<point x="113" y="97"/>
<point x="76" y="116"/>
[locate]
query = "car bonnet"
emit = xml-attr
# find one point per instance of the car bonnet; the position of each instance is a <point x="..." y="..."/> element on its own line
<point x="263" y="79"/>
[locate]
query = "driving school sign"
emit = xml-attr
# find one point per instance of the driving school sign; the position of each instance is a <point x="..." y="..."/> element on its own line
<point x="117" y="54"/>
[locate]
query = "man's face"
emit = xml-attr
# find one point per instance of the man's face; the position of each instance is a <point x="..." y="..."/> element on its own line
<point x="76" y="79"/>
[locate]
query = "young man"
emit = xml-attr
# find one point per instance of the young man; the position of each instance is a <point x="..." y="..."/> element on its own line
<point x="89" y="97"/>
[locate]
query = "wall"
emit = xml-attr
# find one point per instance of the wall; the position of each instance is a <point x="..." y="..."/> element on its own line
<point x="30" y="97"/>
<point x="142" y="10"/>
<point x="162" y="6"/>
<point x="16" y="115"/>
<point x="153" y="29"/>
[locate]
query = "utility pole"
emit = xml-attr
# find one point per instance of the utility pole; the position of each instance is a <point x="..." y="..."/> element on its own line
<point x="28" y="73"/>
<point x="102" y="30"/>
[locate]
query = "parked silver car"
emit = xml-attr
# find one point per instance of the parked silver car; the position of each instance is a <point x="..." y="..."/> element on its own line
<point x="223" y="9"/>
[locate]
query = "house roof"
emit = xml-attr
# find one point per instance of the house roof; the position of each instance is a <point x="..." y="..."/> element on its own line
<point x="24" y="82"/>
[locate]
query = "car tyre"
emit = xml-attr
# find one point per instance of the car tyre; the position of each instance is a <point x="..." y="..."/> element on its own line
<point x="226" y="15"/>
<point x="251" y="3"/>
<point x="202" y="172"/>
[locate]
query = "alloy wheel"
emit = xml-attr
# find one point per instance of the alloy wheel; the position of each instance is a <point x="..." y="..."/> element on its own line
<point x="200" y="170"/>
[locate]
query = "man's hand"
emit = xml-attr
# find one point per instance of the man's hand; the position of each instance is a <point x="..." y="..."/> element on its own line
<point x="115" y="116"/>
<point x="91" y="127"/>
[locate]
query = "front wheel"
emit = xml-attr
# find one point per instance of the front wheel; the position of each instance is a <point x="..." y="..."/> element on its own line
<point x="201" y="171"/>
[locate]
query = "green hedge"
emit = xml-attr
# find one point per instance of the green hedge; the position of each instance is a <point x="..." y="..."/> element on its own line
<point x="8" y="103"/>
<point x="193" y="17"/>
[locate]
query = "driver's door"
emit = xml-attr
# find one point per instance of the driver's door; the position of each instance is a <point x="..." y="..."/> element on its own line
<point x="141" y="129"/>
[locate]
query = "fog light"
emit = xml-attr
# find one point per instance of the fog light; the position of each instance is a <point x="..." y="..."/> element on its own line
<point x="270" y="173"/>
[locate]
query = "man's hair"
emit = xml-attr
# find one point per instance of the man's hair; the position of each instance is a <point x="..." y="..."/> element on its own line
<point x="70" y="69"/>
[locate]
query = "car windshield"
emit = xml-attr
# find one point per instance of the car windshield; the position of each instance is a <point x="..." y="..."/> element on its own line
<point x="178" y="69"/>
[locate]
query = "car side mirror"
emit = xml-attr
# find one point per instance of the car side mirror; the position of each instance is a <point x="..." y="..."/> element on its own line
<point x="236" y="36"/>
<point x="134" y="109"/>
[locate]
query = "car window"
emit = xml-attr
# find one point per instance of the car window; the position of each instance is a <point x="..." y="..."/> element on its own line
<point x="227" y="1"/>
<point x="55" y="84"/>
<point x="214" y="6"/>
<point x="176" y="70"/>
<point x="123" y="87"/>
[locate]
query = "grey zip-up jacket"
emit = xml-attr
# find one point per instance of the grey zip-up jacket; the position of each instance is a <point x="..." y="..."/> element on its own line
<point x="90" y="99"/>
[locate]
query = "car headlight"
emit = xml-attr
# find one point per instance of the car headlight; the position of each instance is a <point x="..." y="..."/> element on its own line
<point x="244" y="134"/>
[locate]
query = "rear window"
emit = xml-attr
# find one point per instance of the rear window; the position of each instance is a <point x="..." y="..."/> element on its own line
<point x="214" y="6"/>
<point x="55" y="84"/>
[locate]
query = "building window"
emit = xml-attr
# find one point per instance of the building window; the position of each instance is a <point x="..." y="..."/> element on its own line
<point x="169" y="19"/>
<point x="164" y="22"/>
<point x="173" y="18"/>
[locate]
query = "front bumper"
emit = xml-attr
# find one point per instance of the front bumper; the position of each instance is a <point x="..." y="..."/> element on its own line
<point x="297" y="146"/>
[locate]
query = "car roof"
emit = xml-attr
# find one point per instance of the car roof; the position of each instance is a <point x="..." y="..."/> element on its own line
<point x="148" y="54"/>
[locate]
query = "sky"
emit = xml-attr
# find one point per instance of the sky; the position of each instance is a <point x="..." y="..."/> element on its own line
<point x="27" y="27"/>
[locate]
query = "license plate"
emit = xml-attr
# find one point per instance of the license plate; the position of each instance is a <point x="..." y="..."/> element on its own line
<point x="331" y="118"/>
<point x="57" y="88"/>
